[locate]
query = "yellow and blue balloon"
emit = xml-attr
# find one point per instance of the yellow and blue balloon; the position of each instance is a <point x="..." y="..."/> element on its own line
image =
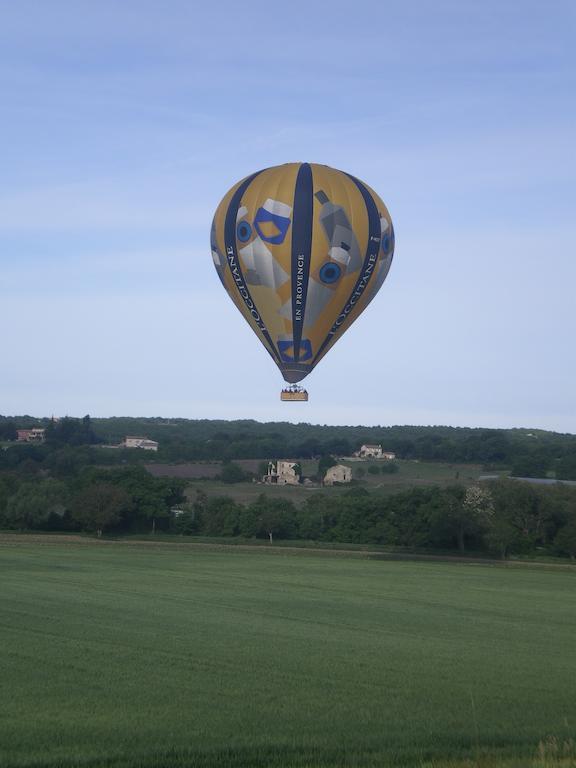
<point x="301" y="249"/>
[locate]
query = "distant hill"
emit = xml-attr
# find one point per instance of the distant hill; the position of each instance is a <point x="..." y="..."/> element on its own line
<point x="531" y="452"/>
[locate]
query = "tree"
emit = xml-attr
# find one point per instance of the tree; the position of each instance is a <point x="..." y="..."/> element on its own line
<point x="184" y="520"/>
<point x="520" y="519"/>
<point x="566" y="469"/>
<point x="308" y="449"/>
<point x="233" y="473"/>
<point x="7" y="429"/>
<point x="274" y="517"/>
<point x="338" y="446"/>
<point x="501" y="536"/>
<point x="415" y="514"/>
<point x="69" y="431"/>
<point x="313" y="517"/>
<point x="68" y="461"/>
<point x="36" y="504"/>
<point x="562" y="502"/>
<point x="100" y="506"/>
<point x="565" y="539"/>
<point x="531" y="465"/>
<point x="389" y="468"/>
<point x="324" y="464"/>
<point x="8" y="486"/>
<point x="19" y="453"/>
<point x="471" y="512"/>
<point x="354" y="493"/>
<point x="29" y="468"/>
<point x="151" y="497"/>
<point x="200" y="502"/>
<point x="220" y="517"/>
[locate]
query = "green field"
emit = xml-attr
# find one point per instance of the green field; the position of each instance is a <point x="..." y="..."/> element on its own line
<point x="123" y="654"/>
<point x="411" y="474"/>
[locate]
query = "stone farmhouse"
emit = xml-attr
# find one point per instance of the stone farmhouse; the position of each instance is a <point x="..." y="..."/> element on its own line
<point x="282" y="473"/>
<point x="337" y="474"/>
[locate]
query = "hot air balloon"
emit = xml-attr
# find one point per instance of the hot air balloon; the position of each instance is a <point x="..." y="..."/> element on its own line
<point x="301" y="249"/>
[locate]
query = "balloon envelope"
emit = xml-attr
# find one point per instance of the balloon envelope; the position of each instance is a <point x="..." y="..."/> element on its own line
<point x="301" y="249"/>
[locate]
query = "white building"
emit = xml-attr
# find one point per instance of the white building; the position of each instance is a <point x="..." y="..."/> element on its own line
<point x="337" y="474"/>
<point x="374" y="452"/>
<point x="140" y="442"/>
<point x="282" y="473"/>
<point x="369" y="451"/>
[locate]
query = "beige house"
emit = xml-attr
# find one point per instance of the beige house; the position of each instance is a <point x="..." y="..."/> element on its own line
<point x="337" y="474"/>
<point x="369" y="452"/>
<point x="282" y="473"/>
<point x="374" y="452"/>
<point x="140" y="442"/>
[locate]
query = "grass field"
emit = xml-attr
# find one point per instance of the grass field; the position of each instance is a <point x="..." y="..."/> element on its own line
<point x="412" y="474"/>
<point x="116" y="654"/>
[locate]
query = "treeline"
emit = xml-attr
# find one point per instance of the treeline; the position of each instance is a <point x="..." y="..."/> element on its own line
<point x="93" y="499"/>
<point x="502" y="518"/>
<point x="534" y="453"/>
<point x="63" y="460"/>
<point x="57" y="487"/>
<point x="528" y="453"/>
<point x="66" y="431"/>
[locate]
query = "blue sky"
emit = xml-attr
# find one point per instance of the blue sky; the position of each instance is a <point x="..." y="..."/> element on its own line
<point x="124" y="123"/>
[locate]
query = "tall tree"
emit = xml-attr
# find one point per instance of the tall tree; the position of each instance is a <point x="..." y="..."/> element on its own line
<point x="35" y="504"/>
<point x="565" y="539"/>
<point x="100" y="506"/>
<point x="274" y="517"/>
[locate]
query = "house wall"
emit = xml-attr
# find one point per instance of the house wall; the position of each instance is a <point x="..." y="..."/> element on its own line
<point x="338" y="474"/>
<point x="141" y="442"/>
<point x="35" y="435"/>
<point x="282" y="473"/>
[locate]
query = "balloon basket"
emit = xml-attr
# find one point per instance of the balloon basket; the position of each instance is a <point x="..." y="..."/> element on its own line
<point x="293" y="394"/>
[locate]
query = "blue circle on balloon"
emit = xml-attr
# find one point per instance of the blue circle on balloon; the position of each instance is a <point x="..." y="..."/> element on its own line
<point x="243" y="231"/>
<point x="329" y="272"/>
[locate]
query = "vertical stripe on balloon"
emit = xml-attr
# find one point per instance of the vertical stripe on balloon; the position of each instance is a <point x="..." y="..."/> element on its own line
<point x="234" y="262"/>
<point x="302" y="220"/>
<point x="368" y="268"/>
